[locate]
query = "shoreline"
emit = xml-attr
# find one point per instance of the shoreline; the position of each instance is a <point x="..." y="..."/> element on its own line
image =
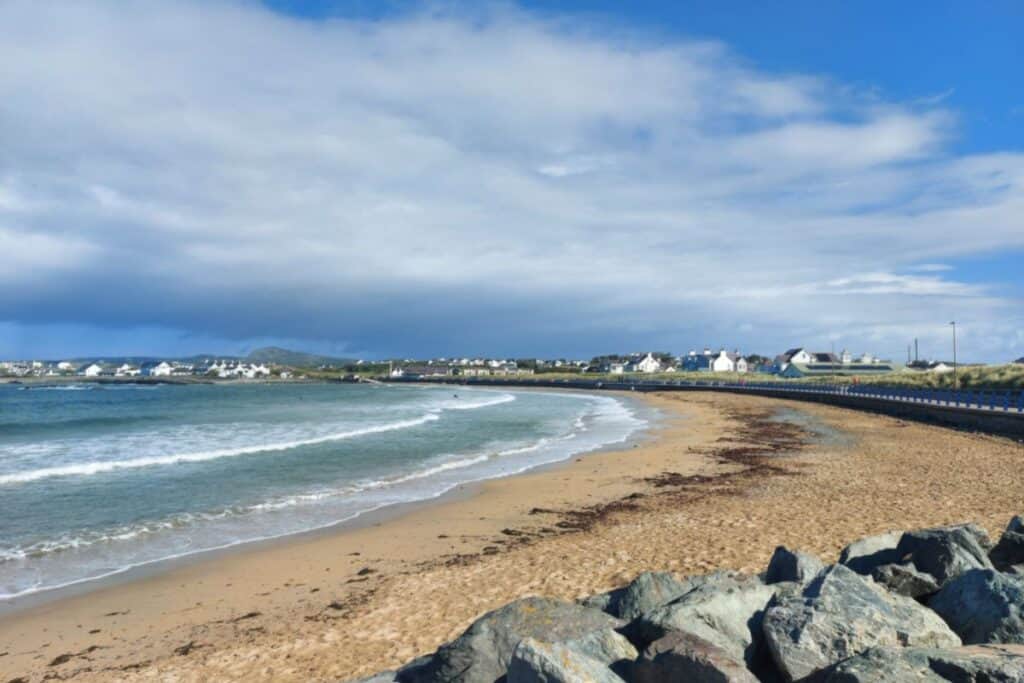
<point x="717" y="486"/>
<point x="12" y="606"/>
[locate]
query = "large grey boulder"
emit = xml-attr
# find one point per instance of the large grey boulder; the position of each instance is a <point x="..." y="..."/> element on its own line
<point x="904" y="579"/>
<point x="977" y="663"/>
<point x="646" y="592"/>
<point x="792" y="565"/>
<point x="395" y="676"/>
<point x="1008" y="554"/>
<point x="841" y="614"/>
<point x="682" y="656"/>
<point x="534" y="661"/>
<point x="725" y="611"/>
<point x="382" y="677"/>
<point x="946" y="552"/>
<point x="863" y="555"/>
<point x="483" y="652"/>
<point x="983" y="606"/>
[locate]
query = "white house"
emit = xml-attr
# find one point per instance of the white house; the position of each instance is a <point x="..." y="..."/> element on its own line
<point x="163" y="370"/>
<point x="65" y="366"/>
<point x="93" y="370"/>
<point x="127" y="370"/>
<point x="254" y="371"/>
<point x="728" y="362"/>
<point x="647" y="364"/>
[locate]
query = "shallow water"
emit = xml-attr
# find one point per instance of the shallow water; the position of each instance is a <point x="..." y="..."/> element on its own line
<point x="96" y="479"/>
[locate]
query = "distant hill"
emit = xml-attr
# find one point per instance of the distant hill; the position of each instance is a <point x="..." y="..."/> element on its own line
<point x="279" y="356"/>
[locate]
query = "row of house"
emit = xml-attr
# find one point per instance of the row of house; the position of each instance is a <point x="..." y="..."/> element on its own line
<point x="799" y="362"/>
<point x="706" y="361"/>
<point x="221" y="369"/>
<point x="441" y="368"/>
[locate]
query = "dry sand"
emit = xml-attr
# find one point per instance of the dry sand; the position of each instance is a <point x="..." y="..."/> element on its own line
<point x="719" y="487"/>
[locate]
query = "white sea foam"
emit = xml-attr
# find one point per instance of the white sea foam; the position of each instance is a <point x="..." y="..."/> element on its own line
<point x="105" y="466"/>
<point x="92" y="468"/>
<point x="101" y="553"/>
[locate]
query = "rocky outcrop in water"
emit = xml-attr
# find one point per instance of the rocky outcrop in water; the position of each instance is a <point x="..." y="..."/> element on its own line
<point x="939" y="604"/>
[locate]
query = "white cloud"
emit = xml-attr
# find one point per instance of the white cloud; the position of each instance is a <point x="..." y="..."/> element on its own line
<point x="216" y="167"/>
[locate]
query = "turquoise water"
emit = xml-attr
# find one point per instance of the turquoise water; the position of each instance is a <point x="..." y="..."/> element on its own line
<point x="97" y="479"/>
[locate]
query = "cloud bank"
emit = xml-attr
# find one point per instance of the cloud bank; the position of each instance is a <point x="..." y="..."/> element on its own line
<point x="503" y="183"/>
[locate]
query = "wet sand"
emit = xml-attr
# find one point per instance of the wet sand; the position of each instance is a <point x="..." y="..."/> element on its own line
<point x="724" y="480"/>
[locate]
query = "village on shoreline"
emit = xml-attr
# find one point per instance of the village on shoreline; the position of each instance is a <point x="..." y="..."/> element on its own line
<point x="798" y="363"/>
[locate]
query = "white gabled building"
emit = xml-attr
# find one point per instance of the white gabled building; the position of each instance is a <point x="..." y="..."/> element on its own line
<point x="164" y="369"/>
<point x="127" y="370"/>
<point x="729" y="362"/>
<point x="92" y="370"/>
<point x="648" y="364"/>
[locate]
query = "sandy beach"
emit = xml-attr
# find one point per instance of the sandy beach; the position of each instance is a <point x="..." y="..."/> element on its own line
<point x="721" y="482"/>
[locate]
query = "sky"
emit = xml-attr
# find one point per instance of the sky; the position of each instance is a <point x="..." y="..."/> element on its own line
<point x="552" y="179"/>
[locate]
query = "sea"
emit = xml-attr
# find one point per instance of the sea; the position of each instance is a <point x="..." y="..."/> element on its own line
<point x="99" y="479"/>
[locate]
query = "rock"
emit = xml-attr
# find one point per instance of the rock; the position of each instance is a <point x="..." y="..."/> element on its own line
<point x="395" y="676"/>
<point x="382" y="677"/>
<point x="725" y="611"/>
<point x="904" y="579"/>
<point x="682" y="656"/>
<point x="981" y="663"/>
<point x="792" y="565"/>
<point x="841" y="614"/>
<point x="606" y="646"/>
<point x="483" y="652"/>
<point x="646" y="592"/>
<point x="863" y="555"/>
<point x="537" y="662"/>
<point x="946" y="552"/>
<point x="983" y="606"/>
<point x="1008" y="555"/>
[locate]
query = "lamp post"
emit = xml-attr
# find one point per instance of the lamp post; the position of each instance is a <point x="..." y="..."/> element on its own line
<point x="956" y="383"/>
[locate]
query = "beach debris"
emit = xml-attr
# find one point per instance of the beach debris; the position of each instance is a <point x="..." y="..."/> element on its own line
<point x="646" y="592"/>
<point x="68" y="656"/>
<point x="188" y="647"/>
<point x="534" y="661"/>
<point x="679" y="656"/>
<point x="1003" y="663"/>
<point x="723" y="609"/>
<point x="792" y="565"/>
<point x="946" y="552"/>
<point x="247" y="615"/>
<point x="983" y="606"/>
<point x="904" y="579"/>
<point x="840" y="614"/>
<point x="865" y="554"/>
<point x="365" y="571"/>
<point x="1008" y="554"/>
<point x="483" y="652"/>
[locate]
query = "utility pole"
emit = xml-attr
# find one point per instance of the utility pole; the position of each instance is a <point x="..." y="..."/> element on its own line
<point x="915" y="350"/>
<point x="833" y="361"/>
<point x="956" y="382"/>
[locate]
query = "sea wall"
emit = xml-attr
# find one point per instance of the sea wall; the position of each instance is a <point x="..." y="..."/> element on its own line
<point x="996" y="421"/>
